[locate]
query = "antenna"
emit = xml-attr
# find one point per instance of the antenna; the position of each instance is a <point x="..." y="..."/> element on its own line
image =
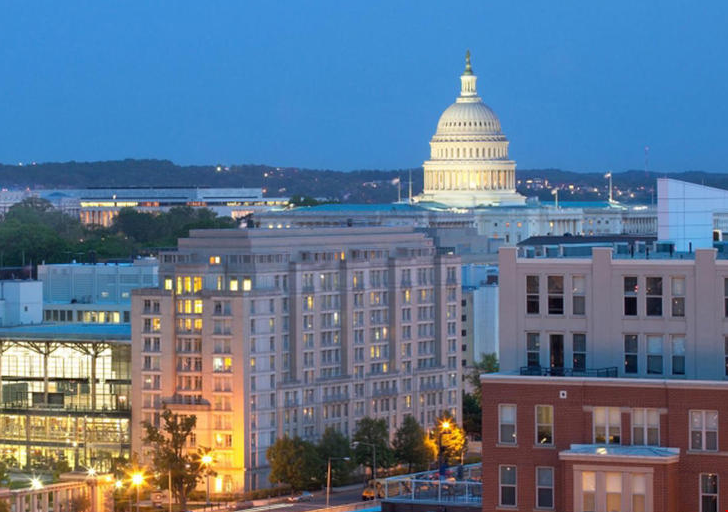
<point x="410" y="186"/>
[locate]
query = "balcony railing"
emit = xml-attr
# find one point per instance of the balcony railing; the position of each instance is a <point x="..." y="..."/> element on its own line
<point x="549" y="371"/>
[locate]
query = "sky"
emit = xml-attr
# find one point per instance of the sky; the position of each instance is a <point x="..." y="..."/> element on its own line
<point x="582" y="86"/>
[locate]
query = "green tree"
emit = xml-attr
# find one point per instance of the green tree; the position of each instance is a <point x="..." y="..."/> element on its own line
<point x="488" y="363"/>
<point x="472" y="415"/>
<point x="410" y="445"/>
<point x="169" y="454"/>
<point x="450" y="439"/>
<point x="298" y="200"/>
<point x="295" y="462"/>
<point x="372" y="432"/>
<point x="335" y="445"/>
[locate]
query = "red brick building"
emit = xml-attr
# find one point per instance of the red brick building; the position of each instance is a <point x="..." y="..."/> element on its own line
<point x="595" y="444"/>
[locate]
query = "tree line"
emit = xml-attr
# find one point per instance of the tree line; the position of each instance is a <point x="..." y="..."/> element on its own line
<point x="33" y="231"/>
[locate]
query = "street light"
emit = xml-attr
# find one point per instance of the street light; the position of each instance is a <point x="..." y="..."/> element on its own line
<point x="444" y="427"/>
<point x="36" y="484"/>
<point x="207" y="460"/>
<point x="328" y="476"/>
<point x="137" y="479"/>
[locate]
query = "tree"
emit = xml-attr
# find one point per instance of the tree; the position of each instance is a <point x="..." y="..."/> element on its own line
<point x="488" y="364"/>
<point x="335" y="445"/>
<point x="410" y="445"/>
<point x="472" y="416"/>
<point x="372" y="432"/>
<point x="295" y="462"/>
<point x="450" y="438"/>
<point x="169" y="454"/>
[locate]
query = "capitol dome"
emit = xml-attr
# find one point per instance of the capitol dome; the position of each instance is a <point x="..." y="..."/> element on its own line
<point x="472" y="118"/>
<point x="469" y="163"/>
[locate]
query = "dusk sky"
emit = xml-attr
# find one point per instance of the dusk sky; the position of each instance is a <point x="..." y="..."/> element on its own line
<point x="577" y="85"/>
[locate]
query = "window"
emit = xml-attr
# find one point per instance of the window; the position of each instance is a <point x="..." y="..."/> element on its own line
<point x="639" y="493"/>
<point x="708" y="492"/>
<point x="646" y="427"/>
<point x="654" y="355"/>
<point x="725" y="341"/>
<point x="532" y="295"/>
<point x="556" y="295"/>
<point x="507" y="483"/>
<point x="653" y="290"/>
<point x="533" y="355"/>
<point x="614" y="492"/>
<point x="545" y="424"/>
<point x="507" y="424"/>
<point x="578" y="300"/>
<point x="545" y="487"/>
<point x="678" y="355"/>
<point x="630" y="296"/>
<point x="725" y="294"/>
<point x="704" y="430"/>
<point x="607" y="425"/>
<point x="588" y="491"/>
<point x="678" y="296"/>
<point x="579" y="351"/>
<point x="630" y="353"/>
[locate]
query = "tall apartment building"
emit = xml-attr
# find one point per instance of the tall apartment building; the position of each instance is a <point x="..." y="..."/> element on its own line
<point x="264" y="333"/>
<point x="614" y="362"/>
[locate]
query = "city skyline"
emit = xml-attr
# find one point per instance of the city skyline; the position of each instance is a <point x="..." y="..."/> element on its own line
<point x="256" y="85"/>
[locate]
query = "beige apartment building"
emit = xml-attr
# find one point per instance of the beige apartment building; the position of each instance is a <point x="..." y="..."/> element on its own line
<point x="264" y="333"/>
<point x="614" y="311"/>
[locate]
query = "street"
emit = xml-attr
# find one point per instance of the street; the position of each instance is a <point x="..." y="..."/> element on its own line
<point x="318" y="501"/>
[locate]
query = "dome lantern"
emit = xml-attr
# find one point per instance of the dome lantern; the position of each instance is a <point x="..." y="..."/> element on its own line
<point x="467" y="81"/>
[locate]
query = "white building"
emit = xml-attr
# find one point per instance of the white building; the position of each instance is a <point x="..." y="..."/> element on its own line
<point x="469" y="163"/>
<point x="480" y="312"/>
<point x="21" y="302"/>
<point x="93" y="293"/>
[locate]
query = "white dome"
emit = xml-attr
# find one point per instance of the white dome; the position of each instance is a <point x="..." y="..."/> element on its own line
<point x="471" y="118"/>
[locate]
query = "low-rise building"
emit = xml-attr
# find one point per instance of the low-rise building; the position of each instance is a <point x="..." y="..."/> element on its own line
<point x="593" y="444"/>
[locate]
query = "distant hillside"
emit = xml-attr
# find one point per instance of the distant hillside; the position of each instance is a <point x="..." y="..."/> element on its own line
<point x="365" y="186"/>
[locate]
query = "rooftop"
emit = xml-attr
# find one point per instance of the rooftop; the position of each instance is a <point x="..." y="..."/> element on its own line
<point x="67" y="332"/>
<point x="607" y="452"/>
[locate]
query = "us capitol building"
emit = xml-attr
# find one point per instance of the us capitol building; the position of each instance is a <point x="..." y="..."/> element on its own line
<point x="470" y="201"/>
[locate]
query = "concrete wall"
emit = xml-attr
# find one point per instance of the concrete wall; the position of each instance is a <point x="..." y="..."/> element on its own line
<point x="21" y="302"/>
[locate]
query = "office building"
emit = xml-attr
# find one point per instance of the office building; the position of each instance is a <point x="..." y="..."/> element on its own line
<point x="20" y="302"/>
<point x="263" y="333"/>
<point x="93" y="293"/>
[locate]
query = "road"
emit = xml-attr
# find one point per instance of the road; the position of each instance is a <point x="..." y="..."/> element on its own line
<point x="318" y="501"/>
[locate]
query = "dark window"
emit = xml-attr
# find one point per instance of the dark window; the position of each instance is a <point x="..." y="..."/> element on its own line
<point x="556" y="295"/>
<point x="533" y="349"/>
<point x="630" y="353"/>
<point x="653" y="291"/>
<point x="579" y="350"/>
<point x="630" y="296"/>
<point x="532" y="295"/>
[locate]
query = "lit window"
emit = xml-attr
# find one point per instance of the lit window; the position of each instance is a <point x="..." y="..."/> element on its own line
<point x="607" y="425"/>
<point x="588" y="491"/>
<point x="544" y="424"/>
<point x="247" y="285"/>
<point x="168" y="284"/>
<point x="214" y="260"/>
<point x="614" y="492"/>
<point x="233" y="285"/>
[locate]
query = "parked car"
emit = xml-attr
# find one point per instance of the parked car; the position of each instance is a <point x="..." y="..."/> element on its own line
<point x="304" y="496"/>
<point x="369" y="493"/>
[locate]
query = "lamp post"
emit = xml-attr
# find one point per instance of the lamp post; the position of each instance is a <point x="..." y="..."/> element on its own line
<point x="444" y="427"/>
<point x="137" y="479"/>
<point x="207" y="460"/>
<point x="374" y="457"/>
<point x="328" y="476"/>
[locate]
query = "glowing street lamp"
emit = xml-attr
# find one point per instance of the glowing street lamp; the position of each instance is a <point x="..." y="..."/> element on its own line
<point x="36" y="484"/>
<point x="206" y="459"/>
<point x="444" y="427"/>
<point x="137" y="480"/>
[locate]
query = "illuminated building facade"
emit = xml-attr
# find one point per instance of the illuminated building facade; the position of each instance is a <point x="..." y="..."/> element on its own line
<point x="93" y="293"/>
<point x="65" y="395"/>
<point x="263" y="333"/>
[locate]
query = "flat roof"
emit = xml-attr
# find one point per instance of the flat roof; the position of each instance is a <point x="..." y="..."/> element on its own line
<point x="66" y="332"/>
<point x="610" y="452"/>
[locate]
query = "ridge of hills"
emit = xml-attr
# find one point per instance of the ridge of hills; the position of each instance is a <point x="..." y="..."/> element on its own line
<point x="358" y="186"/>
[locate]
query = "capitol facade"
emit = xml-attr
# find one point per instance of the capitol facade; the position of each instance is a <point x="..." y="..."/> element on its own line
<point x="469" y="164"/>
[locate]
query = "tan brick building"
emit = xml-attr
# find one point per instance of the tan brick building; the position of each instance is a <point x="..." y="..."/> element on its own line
<point x="263" y="333"/>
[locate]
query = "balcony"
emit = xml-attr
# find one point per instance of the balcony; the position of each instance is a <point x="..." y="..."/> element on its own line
<point x="547" y="371"/>
<point x="335" y="397"/>
<point x="390" y="391"/>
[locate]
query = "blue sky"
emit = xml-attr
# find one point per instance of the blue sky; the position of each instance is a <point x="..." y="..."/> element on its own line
<point x="577" y="85"/>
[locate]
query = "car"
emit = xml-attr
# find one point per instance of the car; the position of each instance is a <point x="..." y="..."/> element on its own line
<point x="304" y="496"/>
<point x="368" y="493"/>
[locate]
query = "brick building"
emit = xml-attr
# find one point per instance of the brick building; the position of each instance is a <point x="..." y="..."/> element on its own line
<point x="604" y="444"/>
